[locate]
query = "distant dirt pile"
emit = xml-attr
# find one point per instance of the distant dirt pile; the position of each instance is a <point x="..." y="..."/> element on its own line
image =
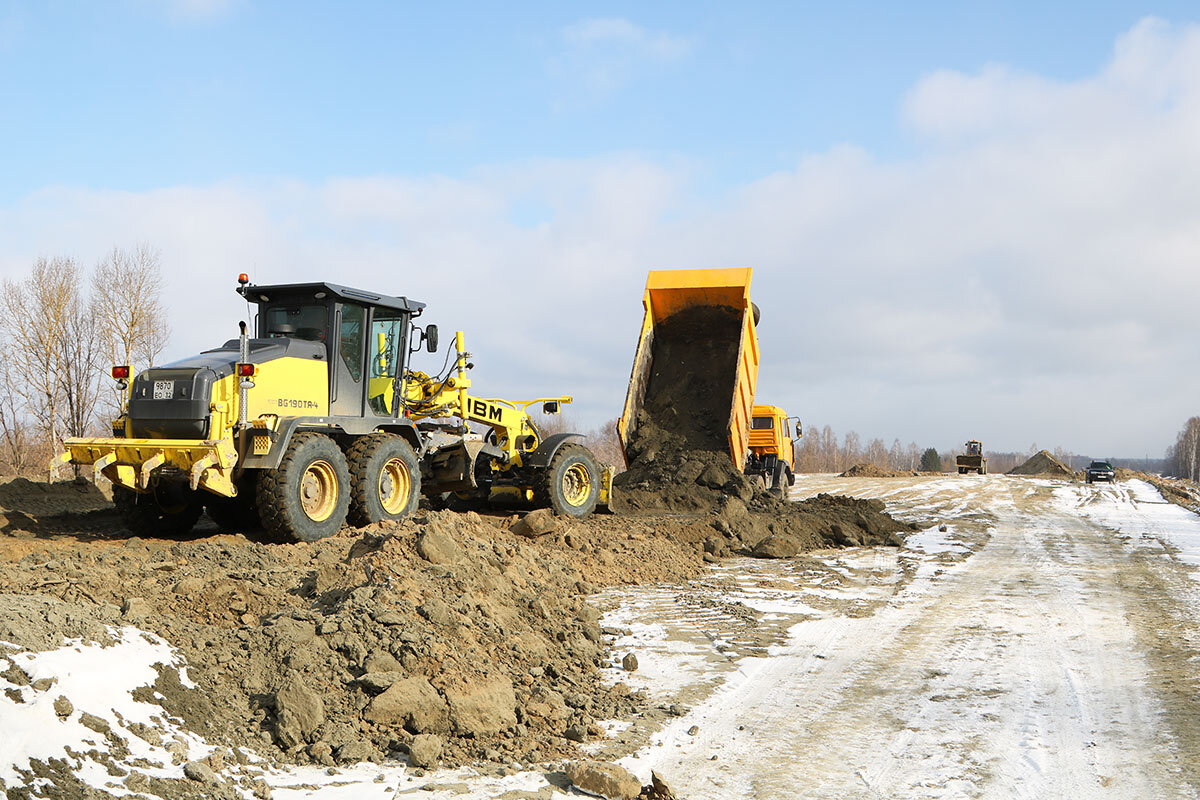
<point x="873" y="471"/>
<point x="1045" y="465"/>
<point x="679" y="453"/>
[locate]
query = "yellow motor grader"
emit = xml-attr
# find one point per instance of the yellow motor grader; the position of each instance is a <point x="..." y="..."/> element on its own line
<point x="317" y="420"/>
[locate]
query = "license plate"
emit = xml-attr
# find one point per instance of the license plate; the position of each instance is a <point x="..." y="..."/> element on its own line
<point x="164" y="390"/>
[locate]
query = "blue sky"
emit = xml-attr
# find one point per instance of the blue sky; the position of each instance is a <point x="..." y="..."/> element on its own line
<point x="520" y="167"/>
<point x="137" y="94"/>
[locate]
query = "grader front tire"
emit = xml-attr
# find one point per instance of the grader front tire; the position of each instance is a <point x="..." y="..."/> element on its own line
<point x="307" y="497"/>
<point x="385" y="479"/>
<point x="570" y="485"/>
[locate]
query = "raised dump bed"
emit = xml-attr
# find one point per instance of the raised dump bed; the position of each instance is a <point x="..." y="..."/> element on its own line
<point x="696" y="366"/>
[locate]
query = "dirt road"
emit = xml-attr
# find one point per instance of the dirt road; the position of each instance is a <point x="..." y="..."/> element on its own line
<point x="1043" y="646"/>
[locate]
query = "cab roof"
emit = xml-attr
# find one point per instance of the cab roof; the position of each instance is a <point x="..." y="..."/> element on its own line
<point x="264" y="294"/>
<point x="767" y="411"/>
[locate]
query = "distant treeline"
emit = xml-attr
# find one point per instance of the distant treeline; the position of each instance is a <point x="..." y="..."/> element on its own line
<point x="822" y="450"/>
<point x="1183" y="457"/>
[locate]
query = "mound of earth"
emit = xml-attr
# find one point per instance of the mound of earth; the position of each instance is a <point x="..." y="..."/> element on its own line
<point x="33" y="508"/>
<point x="873" y="471"/>
<point x="679" y="458"/>
<point x="449" y="625"/>
<point x="1043" y="464"/>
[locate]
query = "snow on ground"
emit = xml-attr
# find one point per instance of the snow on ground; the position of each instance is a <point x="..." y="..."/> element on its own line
<point x="1137" y="511"/>
<point x="97" y="680"/>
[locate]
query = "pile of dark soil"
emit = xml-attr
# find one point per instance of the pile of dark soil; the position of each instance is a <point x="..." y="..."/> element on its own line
<point x="1045" y="465"/>
<point x="873" y="471"/>
<point x="679" y="457"/>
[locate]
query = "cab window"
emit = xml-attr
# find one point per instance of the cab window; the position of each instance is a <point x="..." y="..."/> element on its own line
<point x="761" y="424"/>
<point x="386" y="333"/>
<point x="308" y="322"/>
<point x="350" y="339"/>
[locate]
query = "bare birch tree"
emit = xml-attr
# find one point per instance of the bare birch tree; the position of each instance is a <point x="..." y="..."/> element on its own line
<point x="81" y="372"/>
<point x="1187" y="451"/>
<point x="127" y="304"/>
<point x="37" y="319"/>
<point x="15" y="436"/>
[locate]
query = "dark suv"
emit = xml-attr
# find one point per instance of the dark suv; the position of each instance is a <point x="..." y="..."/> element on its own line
<point x="1100" y="471"/>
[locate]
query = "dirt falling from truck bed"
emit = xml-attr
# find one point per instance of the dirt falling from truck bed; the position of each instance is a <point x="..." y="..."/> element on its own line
<point x="679" y="453"/>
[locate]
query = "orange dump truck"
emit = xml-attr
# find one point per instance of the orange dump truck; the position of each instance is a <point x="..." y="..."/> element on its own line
<point x="729" y="382"/>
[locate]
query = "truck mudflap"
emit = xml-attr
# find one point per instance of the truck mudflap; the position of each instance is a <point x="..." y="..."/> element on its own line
<point x="131" y="463"/>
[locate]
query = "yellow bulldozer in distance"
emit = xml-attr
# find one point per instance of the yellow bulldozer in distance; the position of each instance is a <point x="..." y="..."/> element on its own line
<point x="317" y="420"/>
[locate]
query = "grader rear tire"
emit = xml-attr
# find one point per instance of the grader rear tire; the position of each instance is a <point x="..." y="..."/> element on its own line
<point x="163" y="512"/>
<point x="307" y="497"/>
<point x="570" y="484"/>
<point x="385" y="479"/>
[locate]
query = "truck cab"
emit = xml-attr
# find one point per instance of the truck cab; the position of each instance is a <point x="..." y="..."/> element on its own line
<point x="772" y="452"/>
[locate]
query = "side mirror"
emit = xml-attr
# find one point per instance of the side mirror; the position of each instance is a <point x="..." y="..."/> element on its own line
<point x="550" y="407"/>
<point x="431" y="338"/>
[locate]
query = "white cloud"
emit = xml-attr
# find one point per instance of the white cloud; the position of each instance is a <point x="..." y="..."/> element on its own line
<point x="617" y="32"/>
<point x="604" y="55"/>
<point x="194" y="10"/>
<point x="1040" y="253"/>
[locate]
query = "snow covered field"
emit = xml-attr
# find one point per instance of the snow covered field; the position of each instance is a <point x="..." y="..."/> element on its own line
<point x="1045" y="644"/>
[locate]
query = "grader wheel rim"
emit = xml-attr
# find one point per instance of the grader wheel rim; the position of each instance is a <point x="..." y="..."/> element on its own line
<point x="576" y="484"/>
<point x="395" y="485"/>
<point x="319" y="490"/>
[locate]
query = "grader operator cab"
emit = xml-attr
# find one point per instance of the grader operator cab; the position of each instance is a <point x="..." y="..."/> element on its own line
<point x="311" y="423"/>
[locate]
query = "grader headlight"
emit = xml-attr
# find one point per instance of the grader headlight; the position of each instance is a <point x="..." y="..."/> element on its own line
<point x="120" y="374"/>
<point x="246" y="373"/>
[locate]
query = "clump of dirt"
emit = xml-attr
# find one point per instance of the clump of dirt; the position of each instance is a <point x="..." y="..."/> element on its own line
<point x="679" y="457"/>
<point x="1044" y="464"/>
<point x="873" y="471"/>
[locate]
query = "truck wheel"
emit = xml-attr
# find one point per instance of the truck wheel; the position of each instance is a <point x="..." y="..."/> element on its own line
<point x="306" y="498"/>
<point x="570" y="484"/>
<point x="163" y="512"/>
<point x="236" y="514"/>
<point x="385" y="479"/>
<point x="791" y="476"/>
<point x="779" y="480"/>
